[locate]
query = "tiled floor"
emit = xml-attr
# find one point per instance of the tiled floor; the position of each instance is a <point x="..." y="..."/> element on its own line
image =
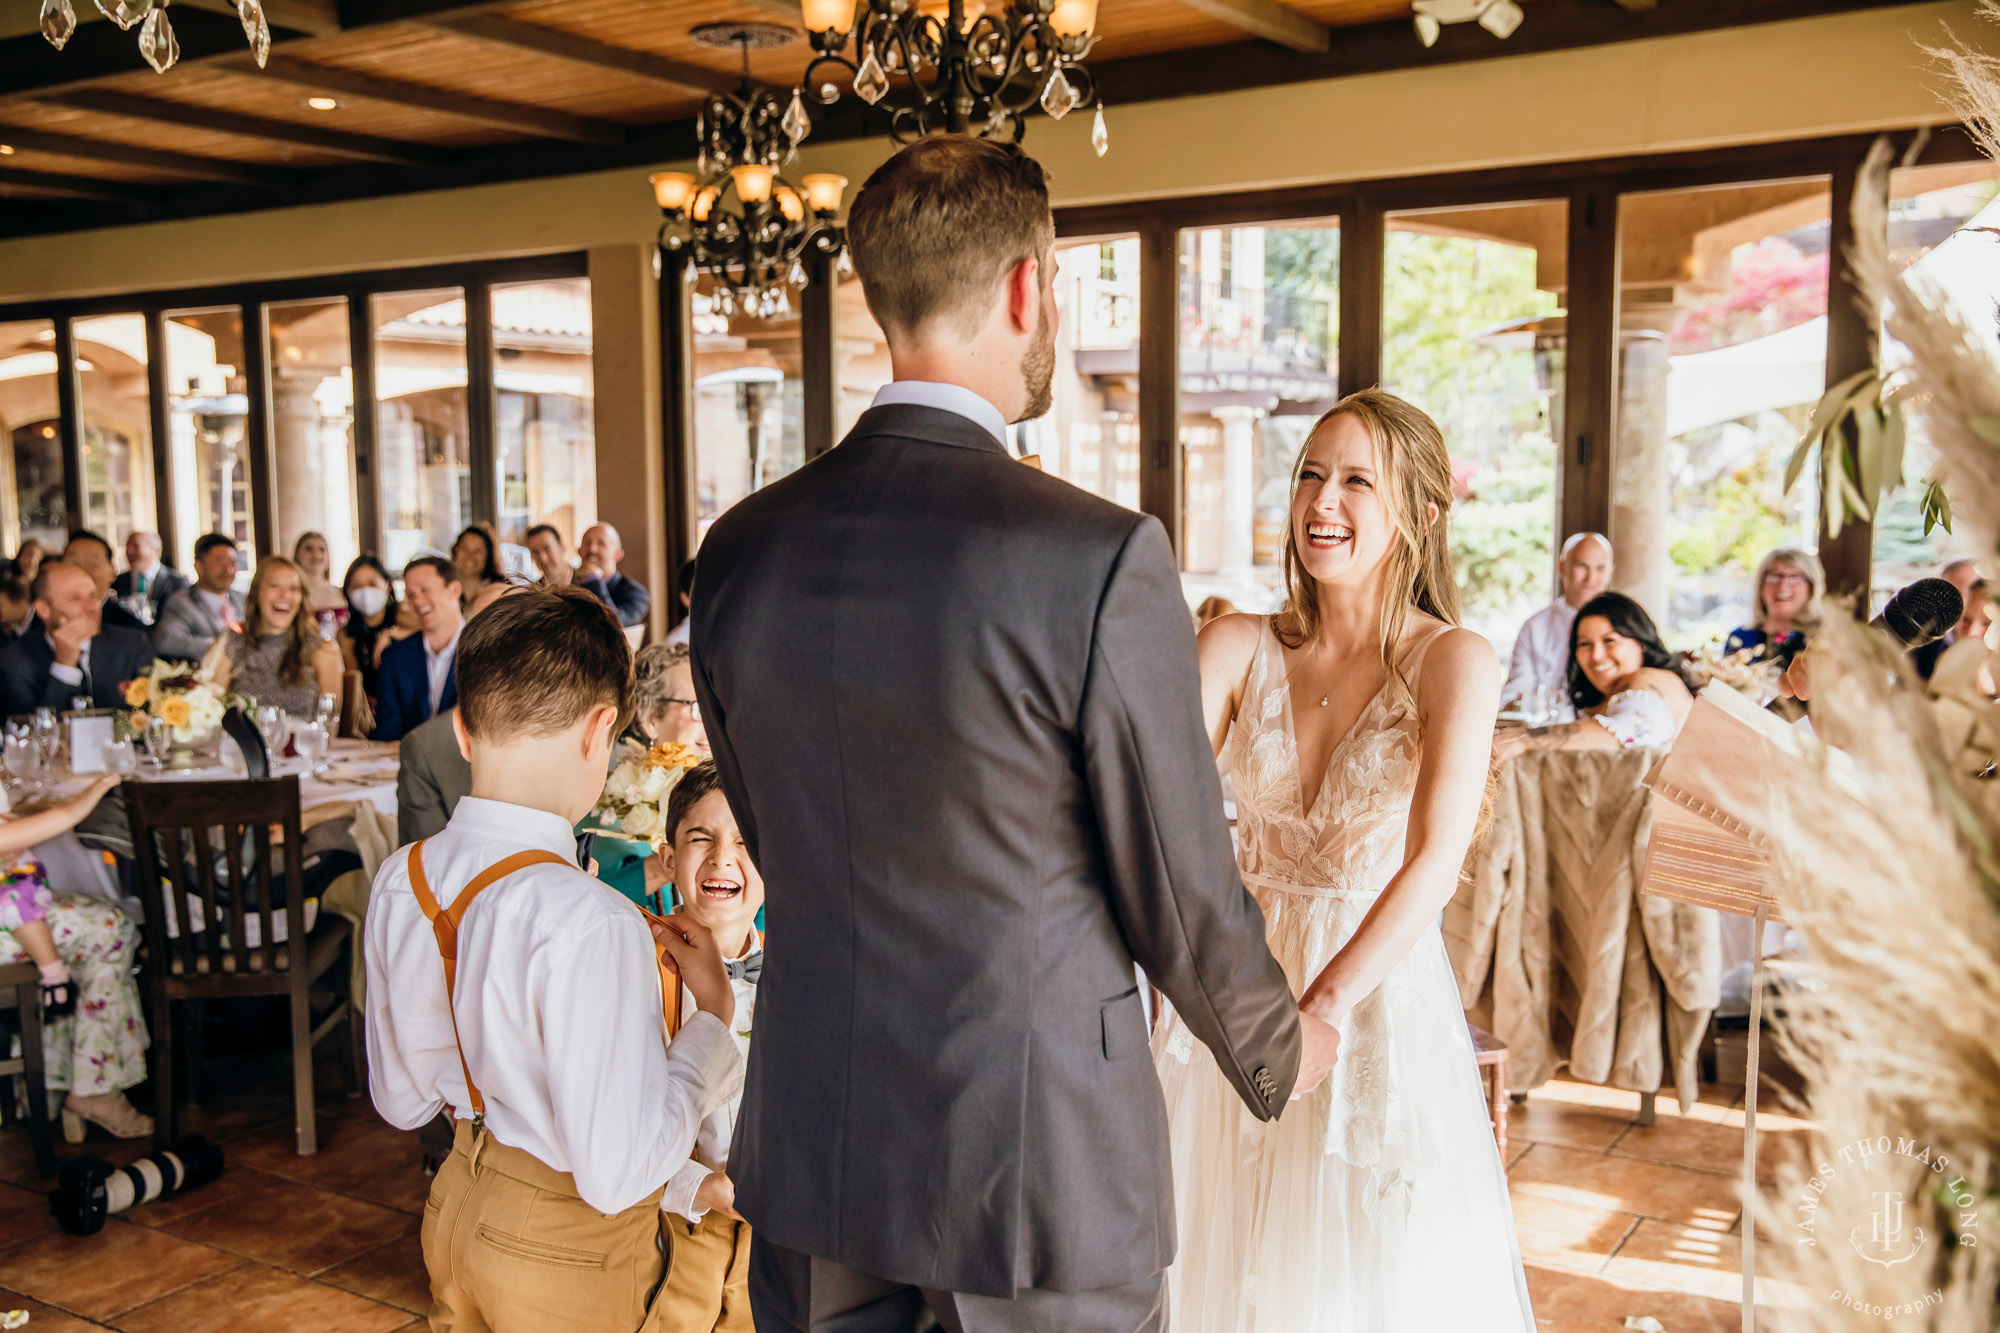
<point x="1615" y="1222"/>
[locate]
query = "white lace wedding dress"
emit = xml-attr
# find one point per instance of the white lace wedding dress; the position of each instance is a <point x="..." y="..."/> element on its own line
<point x="1376" y="1204"/>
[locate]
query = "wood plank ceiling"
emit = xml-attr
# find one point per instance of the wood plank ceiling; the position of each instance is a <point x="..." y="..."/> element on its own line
<point x="432" y="93"/>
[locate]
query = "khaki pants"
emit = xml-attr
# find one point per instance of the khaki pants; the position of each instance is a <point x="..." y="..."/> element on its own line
<point x="512" y="1249"/>
<point x="708" y="1277"/>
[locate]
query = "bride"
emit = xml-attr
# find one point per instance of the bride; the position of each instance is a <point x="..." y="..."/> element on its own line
<point x="1359" y="721"/>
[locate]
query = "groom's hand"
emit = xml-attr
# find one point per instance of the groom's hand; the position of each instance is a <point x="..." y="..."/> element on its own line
<point x="1319" y="1047"/>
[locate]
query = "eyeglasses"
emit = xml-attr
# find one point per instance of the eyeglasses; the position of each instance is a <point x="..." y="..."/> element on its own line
<point x="1786" y="578"/>
<point x="692" y="705"/>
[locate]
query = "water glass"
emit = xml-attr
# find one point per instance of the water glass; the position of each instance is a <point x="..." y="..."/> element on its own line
<point x="48" y="733"/>
<point x="309" y="739"/>
<point x="272" y="725"/>
<point x="328" y="709"/>
<point x="159" y="739"/>
<point x="25" y="763"/>
<point x="1535" y="706"/>
<point x="120" y="757"/>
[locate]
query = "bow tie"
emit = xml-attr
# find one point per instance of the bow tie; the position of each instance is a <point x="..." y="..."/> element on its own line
<point x="747" y="968"/>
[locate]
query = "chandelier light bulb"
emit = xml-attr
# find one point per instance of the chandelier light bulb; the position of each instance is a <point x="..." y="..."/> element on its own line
<point x="789" y="203"/>
<point x="834" y="16"/>
<point x="704" y="202"/>
<point x="1073" y="18"/>
<point x="753" y="181"/>
<point x="1428" y="29"/>
<point x="823" y="191"/>
<point x="672" y="190"/>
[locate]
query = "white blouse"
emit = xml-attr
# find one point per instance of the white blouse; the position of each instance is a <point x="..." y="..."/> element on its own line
<point x="1637" y="717"/>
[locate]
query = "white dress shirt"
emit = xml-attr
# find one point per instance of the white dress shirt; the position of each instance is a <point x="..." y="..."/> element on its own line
<point x="437" y="661"/>
<point x="219" y="607"/>
<point x="558" y="1011"/>
<point x="72" y="676"/>
<point x="946" y="398"/>
<point x="681" y="633"/>
<point x="711" y="1145"/>
<point x="1541" y="653"/>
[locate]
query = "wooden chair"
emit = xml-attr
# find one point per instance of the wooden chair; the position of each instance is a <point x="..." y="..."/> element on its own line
<point x="1489" y="1052"/>
<point x="179" y="831"/>
<point x="357" y="719"/>
<point x="21" y="990"/>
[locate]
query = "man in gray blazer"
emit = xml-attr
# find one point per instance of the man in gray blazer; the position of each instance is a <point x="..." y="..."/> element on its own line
<point x="431" y="778"/>
<point x="955" y="708"/>
<point x="196" y="617"/>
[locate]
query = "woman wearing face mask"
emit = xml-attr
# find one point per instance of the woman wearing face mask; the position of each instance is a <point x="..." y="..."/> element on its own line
<point x="372" y="622"/>
<point x="1627" y="688"/>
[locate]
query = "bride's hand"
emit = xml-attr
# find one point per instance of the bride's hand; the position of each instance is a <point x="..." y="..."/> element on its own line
<point x="1320" y="1046"/>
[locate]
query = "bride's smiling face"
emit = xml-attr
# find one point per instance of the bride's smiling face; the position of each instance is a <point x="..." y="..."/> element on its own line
<point x="1342" y="527"/>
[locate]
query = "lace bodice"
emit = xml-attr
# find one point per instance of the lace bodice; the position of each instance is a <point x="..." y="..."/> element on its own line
<point x="1348" y="836"/>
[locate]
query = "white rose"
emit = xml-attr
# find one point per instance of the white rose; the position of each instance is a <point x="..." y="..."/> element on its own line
<point x="654" y="784"/>
<point x="641" y="821"/>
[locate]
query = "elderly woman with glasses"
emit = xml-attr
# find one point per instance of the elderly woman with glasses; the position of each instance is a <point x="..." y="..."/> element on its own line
<point x="1785" y="605"/>
<point x="663" y="707"/>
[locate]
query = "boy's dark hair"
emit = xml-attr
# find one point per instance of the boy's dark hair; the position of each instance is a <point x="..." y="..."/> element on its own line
<point x="696" y="783"/>
<point x="533" y="663"/>
<point x="438" y="565"/>
<point x="209" y="541"/>
<point x="86" y="535"/>
<point x="549" y="528"/>
<point x="14" y="588"/>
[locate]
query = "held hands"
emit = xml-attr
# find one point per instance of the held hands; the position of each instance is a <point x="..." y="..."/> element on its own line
<point x="692" y="952"/>
<point x="718" y="1195"/>
<point x="1319" y="1049"/>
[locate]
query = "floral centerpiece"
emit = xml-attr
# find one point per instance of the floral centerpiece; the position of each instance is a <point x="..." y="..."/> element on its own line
<point x="1747" y="671"/>
<point x="636" y="792"/>
<point x="183" y="701"/>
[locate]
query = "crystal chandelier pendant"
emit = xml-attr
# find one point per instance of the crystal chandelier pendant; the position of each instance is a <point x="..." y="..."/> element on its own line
<point x="844" y="265"/>
<point x="796" y="124"/>
<point x="157" y="42"/>
<point x="1058" y="97"/>
<point x="797" y="274"/>
<point x="58" y="22"/>
<point x="256" y="28"/>
<point x="1099" y="140"/>
<point x="870" y="83"/>
<point x="126" y="13"/>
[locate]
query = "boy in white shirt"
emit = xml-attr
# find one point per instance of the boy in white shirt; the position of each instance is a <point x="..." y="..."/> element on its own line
<point x="527" y="996"/>
<point x="708" y="1283"/>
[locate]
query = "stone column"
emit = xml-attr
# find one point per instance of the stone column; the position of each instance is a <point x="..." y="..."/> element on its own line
<point x="301" y="482"/>
<point x="625" y="371"/>
<point x="1641" y="490"/>
<point x="1239" y="488"/>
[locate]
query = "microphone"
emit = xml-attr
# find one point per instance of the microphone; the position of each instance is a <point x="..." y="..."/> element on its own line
<point x="1922" y="613"/>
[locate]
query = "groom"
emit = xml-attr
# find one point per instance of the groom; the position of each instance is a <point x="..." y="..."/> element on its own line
<point x="955" y="707"/>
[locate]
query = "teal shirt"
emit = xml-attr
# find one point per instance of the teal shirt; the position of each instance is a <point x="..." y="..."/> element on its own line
<point x="621" y="863"/>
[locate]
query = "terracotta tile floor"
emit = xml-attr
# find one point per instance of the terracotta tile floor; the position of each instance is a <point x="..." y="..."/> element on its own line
<point x="1615" y="1221"/>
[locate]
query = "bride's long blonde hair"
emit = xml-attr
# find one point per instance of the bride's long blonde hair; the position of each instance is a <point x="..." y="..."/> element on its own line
<point x="1415" y="474"/>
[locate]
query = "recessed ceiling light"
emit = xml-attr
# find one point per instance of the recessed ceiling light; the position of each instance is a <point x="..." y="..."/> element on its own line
<point x="323" y="103"/>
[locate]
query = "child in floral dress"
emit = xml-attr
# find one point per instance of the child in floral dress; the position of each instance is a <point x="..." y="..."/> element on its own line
<point x="96" y="1038"/>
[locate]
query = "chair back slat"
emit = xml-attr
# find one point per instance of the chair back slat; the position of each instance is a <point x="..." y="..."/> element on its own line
<point x="215" y="820"/>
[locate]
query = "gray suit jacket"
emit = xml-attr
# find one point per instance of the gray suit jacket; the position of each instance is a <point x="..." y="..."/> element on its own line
<point x="955" y="707"/>
<point x="187" y="627"/>
<point x="431" y="777"/>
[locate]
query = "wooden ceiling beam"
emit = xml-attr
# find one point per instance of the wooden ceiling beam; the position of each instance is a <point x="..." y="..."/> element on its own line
<point x="541" y="122"/>
<point x="84" y="187"/>
<point x="677" y="74"/>
<point x="111" y="102"/>
<point x="1271" y="21"/>
<point x="310" y="18"/>
<point x="139" y="155"/>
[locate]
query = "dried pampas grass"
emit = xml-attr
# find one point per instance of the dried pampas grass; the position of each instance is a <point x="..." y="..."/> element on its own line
<point x="1892" y="874"/>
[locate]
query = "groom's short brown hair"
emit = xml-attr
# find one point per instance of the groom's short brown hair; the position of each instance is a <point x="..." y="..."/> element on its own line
<point x="938" y="226"/>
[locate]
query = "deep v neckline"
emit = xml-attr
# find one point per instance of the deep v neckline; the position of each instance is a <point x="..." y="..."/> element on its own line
<point x="1307" y="805"/>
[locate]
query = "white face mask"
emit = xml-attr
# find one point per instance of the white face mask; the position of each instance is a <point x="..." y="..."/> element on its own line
<point x="369" y="601"/>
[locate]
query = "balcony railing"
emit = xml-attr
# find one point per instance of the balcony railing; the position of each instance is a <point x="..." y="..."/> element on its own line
<point x="1223" y="330"/>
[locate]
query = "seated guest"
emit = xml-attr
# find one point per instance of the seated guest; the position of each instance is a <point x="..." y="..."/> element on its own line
<point x="415" y="680"/>
<point x="70" y="652"/>
<point x="1541" y="651"/>
<point x="1627" y="688"/>
<point x="598" y="554"/>
<point x="432" y="774"/>
<point x="1962" y="574"/>
<point x="551" y="557"/>
<point x="27" y="560"/>
<point x="144" y="575"/>
<point x="326" y="603"/>
<point x="196" y="617"/>
<point x="568" y="1125"/>
<point x="17" y="608"/>
<point x="476" y="553"/>
<point x="278" y="657"/>
<point x="374" y="618"/>
<point x="679" y="633"/>
<point x="92" y="554"/>
<point x="94" y="1038"/>
<point x="1785" y="606"/>
<point x="663" y="707"/>
<point x="708" y="1282"/>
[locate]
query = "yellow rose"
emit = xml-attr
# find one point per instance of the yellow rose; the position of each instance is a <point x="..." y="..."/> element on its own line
<point x="137" y="691"/>
<point x="175" y="711"/>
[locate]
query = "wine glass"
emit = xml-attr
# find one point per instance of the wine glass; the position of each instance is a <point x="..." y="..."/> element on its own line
<point x="272" y="725"/>
<point x="120" y="757"/>
<point x="159" y="739"/>
<point x="309" y="739"/>
<point x="1535" y="706"/>
<point x="48" y="733"/>
<point x="328" y="710"/>
<point x="24" y="761"/>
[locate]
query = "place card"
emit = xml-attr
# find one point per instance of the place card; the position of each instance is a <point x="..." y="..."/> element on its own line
<point x="89" y="733"/>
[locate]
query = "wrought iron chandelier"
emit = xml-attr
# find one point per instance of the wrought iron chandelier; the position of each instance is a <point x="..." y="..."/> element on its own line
<point x="157" y="43"/>
<point x="736" y="216"/>
<point x="958" y="67"/>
